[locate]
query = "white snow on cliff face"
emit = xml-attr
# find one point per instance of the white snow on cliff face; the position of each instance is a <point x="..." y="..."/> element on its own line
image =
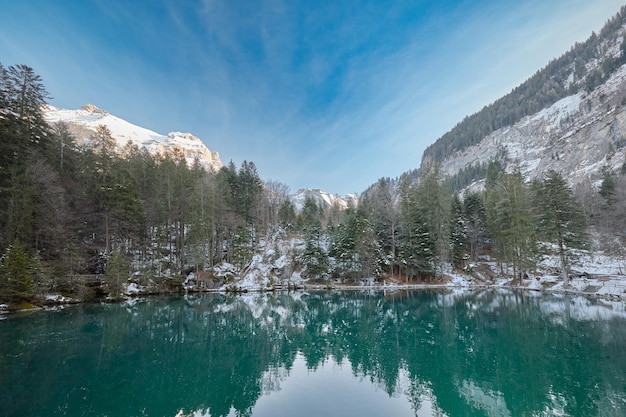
<point x="323" y="199"/>
<point x="84" y="121"/>
<point x="576" y="137"/>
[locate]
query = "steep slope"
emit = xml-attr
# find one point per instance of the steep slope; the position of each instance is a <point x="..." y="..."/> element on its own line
<point x="576" y="136"/>
<point x="568" y="117"/>
<point x="84" y="121"/>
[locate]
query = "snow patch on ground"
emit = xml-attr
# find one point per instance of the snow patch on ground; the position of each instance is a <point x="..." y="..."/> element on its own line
<point x="58" y="299"/>
<point x="133" y="288"/>
<point x="272" y="267"/>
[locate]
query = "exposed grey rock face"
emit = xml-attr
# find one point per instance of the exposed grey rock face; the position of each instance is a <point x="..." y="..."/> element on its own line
<point x="576" y="136"/>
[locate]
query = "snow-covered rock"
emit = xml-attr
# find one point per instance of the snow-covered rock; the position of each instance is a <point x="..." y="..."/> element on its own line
<point x="576" y="136"/>
<point x="84" y="121"/>
<point x="323" y="199"/>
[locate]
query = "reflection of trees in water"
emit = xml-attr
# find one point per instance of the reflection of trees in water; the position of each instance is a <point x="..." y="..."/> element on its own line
<point x="491" y="353"/>
<point x="493" y="349"/>
<point x="483" y="351"/>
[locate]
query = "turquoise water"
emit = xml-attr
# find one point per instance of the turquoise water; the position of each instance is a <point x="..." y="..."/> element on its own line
<point x="407" y="353"/>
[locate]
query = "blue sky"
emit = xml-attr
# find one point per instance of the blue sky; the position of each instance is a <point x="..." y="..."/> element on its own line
<point x="319" y="94"/>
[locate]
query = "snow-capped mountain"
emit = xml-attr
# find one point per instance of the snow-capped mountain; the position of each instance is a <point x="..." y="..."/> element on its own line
<point x="84" y="121"/>
<point x="323" y="199"/>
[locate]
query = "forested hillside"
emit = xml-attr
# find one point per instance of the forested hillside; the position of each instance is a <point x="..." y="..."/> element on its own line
<point x="585" y="66"/>
<point x="537" y="174"/>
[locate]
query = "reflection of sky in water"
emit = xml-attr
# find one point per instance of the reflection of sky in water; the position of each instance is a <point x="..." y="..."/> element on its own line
<point x="332" y="389"/>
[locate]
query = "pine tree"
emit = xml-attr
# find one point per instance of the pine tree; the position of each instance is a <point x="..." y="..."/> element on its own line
<point x="343" y="245"/>
<point x="287" y="215"/>
<point x="560" y="220"/>
<point x="125" y="207"/>
<point x="104" y="146"/>
<point x="16" y="281"/>
<point x="510" y="222"/>
<point x="116" y="275"/>
<point x="314" y="258"/>
<point x="475" y="221"/>
<point x="607" y="187"/>
<point x="201" y="219"/>
<point x="369" y="251"/>
<point x="494" y="171"/>
<point x="249" y="190"/>
<point x="242" y="247"/>
<point x="64" y="149"/>
<point x="23" y="132"/>
<point x="379" y="205"/>
<point x="310" y="217"/>
<point x="314" y="261"/>
<point x="225" y="218"/>
<point x="416" y="247"/>
<point x="458" y="234"/>
<point x="356" y="247"/>
<point x="432" y="196"/>
<point x="25" y="93"/>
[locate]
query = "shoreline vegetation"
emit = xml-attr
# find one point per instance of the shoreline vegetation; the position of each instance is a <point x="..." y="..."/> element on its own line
<point x="608" y="287"/>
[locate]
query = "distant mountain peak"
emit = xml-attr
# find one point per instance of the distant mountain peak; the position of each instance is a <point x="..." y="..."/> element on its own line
<point x="90" y="108"/>
<point x="323" y="199"/>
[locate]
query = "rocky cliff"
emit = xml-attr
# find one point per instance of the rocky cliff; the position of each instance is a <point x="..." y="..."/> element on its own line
<point x="576" y="136"/>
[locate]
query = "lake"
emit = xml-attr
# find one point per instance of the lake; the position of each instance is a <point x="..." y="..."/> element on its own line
<point x="403" y="353"/>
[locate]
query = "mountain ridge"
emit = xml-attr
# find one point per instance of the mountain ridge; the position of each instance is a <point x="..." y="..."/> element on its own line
<point x="83" y="122"/>
<point x="323" y="199"/>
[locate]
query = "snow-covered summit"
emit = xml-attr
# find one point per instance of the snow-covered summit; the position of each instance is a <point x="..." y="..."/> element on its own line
<point x="84" y="121"/>
<point x="90" y="108"/>
<point x="323" y="199"/>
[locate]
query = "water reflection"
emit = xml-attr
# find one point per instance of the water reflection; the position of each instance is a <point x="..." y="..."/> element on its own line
<point x="414" y="353"/>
